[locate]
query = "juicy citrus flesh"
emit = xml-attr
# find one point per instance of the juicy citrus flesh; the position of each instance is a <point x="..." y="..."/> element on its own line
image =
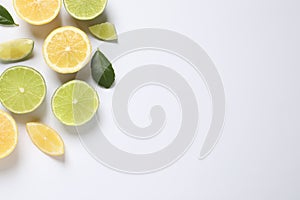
<point x="75" y="103"/>
<point x="8" y="134"/>
<point x="85" y="9"/>
<point x="104" y="31"/>
<point x="37" y="12"/>
<point x="22" y="89"/>
<point x="16" y="50"/>
<point x="45" y="138"/>
<point x="67" y="50"/>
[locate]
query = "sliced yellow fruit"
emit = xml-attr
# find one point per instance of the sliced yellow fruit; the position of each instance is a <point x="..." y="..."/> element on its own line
<point x="8" y="134"/>
<point x="16" y="50"/>
<point x="37" y="12"/>
<point x="67" y="50"/>
<point x="45" y="138"/>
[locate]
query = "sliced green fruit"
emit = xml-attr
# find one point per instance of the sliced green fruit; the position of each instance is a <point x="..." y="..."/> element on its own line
<point x="85" y="9"/>
<point x="22" y="89"/>
<point x="75" y="103"/>
<point x="16" y="50"/>
<point x="104" y="31"/>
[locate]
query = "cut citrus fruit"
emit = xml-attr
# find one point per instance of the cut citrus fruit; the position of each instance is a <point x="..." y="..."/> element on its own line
<point x="8" y="134"/>
<point x="37" y="12"/>
<point x="22" y="89"/>
<point x="75" y="103"/>
<point x="16" y="50"/>
<point x="85" y="9"/>
<point x="45" y="138"/>
<point x="104" y="31"/>
<point x="67" y="50"/>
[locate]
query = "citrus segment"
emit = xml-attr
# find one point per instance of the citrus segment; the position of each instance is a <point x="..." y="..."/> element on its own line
<point x="8" y="134"/>
<point x="16" y="50"/>
<point x="104" y="31"/>
<point x="22" y="89"/>
<point x="37" y="12"/>
<point x="85" y="9"/>
<point x="67" y="50"/>
<point x="45" y="138"/>
<point x="75" y="103"/>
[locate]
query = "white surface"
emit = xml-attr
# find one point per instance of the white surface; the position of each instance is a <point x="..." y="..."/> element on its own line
<point x="255" y="46"/>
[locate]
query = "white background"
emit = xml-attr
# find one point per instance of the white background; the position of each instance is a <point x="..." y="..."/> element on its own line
<point x="255" y="45"/>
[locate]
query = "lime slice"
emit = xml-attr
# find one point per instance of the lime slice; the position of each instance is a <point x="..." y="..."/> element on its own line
<point x="22" y="89"/>
<point x="85" y="9"/>
<point x="104" y="31"/>
<point x="75" y="103"/>
<point x="16" y="50"/>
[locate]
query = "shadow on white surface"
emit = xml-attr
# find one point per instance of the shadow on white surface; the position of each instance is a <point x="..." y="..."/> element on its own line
<point x="10" y="162"/>
<point x="35" y="116"/>
<point x="60" y="159"/>
<point x="42" y="31"/>
<point x="63" y="78"/>
<point x="84" y="25"/>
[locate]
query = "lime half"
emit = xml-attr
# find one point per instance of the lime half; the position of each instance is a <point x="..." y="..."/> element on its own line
<point x="85" y="9"/>
<point x="104" y="31"/>
<point x="75" y="103"/>
<point x="16" y="50"/>
<point x="22" y="89"/>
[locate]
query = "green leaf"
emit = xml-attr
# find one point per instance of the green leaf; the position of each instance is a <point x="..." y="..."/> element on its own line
<point x="102" y="70"/>
<point x="5" y="17"/>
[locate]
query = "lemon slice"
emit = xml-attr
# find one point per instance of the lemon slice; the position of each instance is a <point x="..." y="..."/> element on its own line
<point x="8" y="134"/>
<point x="16" y="50"/>
<point x="22" y="89"/>
<point x="37" y="12"/>
<point x="104" y="31"/>
<point x="85" y="9"/>
<point x="75" y="103"/>
<point x="45" y="138"/>
<point x="67" y="50"/>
